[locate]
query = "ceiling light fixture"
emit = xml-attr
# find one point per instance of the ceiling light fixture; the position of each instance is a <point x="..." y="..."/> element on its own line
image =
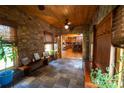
<point x="67" y="24"/>
<point x="66" y="27"/>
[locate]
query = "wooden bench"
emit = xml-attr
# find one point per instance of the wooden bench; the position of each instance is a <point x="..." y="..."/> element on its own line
<point x="25" y="69"/>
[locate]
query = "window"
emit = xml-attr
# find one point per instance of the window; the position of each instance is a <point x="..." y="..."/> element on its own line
<point x="8" y="34"/>
<point x="48" y="41"/>
<point x="55" y="47"/>
<point x="48" y="37"/>
<point x="9" y="62"/>
<point x="48" y="47"/>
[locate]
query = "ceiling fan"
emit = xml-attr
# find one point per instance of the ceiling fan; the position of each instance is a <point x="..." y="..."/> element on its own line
<point x="68" y="25"/>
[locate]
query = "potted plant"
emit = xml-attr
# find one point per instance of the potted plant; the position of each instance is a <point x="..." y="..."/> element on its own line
<point x="6" y="75"/>
<point x="52" y="54"/>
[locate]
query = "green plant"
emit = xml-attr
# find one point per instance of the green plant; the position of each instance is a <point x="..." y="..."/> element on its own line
<point x="104" y="80"/>
<point x="4" y="54"/>
<point x="51" y="52"/>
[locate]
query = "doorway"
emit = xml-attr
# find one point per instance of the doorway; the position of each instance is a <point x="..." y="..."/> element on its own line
<point x="72" y="46"/>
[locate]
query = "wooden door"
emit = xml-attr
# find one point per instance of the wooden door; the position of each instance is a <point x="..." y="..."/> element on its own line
<point x="103" y="43"/>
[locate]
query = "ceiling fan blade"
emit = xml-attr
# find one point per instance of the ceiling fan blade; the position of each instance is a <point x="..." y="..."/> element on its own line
<point x="71" y="27"/>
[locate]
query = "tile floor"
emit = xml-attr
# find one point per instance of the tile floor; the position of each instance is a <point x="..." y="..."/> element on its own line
<point x="61" y="73"/>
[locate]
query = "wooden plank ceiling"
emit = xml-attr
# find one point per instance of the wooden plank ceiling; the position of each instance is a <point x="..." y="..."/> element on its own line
<point x="57" y="14"/>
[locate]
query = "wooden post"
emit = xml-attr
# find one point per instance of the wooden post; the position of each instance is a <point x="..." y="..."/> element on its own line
<point x="85" y="46"/>
<point x="112" y="61"/>
<point x="53" y="39"/>
<point x="91" y="45"/>
<point x="59" y="46"/>
<point x="120" y="69"/>
<point x="83" y="49"/>
<point x="16" y="61"/>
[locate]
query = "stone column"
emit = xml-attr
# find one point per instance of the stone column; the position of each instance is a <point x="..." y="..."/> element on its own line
<point x="85" y="45"/>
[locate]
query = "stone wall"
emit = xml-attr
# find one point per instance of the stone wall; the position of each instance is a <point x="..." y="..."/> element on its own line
<point x="102" y="12"/>
<point x="30" y="30"/>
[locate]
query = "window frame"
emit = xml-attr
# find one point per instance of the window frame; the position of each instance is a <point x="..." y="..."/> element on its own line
<point x="9" y="42"/>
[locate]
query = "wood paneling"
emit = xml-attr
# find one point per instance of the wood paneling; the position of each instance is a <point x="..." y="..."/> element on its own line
<point x="103" y="43"/>
<point x="56" y="15"/>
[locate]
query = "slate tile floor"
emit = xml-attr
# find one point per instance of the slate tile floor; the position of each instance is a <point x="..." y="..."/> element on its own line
<point x="61" y="73"/>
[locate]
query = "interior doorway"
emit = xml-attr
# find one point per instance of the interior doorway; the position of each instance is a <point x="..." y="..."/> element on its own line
<point x="72" y="46"/>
